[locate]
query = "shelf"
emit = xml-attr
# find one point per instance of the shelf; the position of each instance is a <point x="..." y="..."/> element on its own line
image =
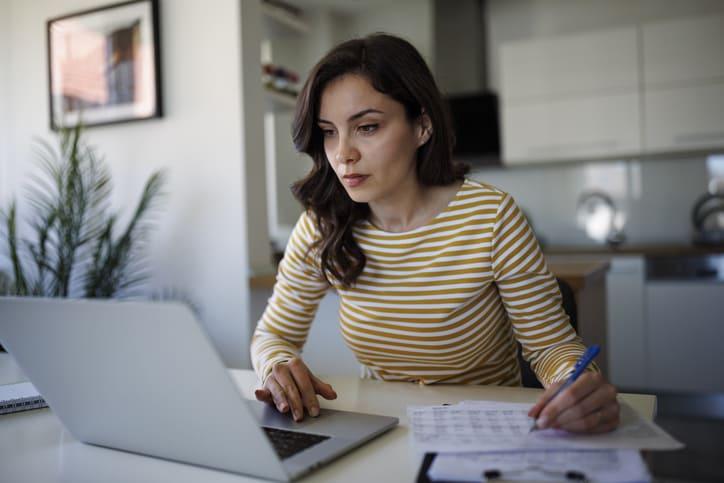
<point x="280" y="102"/>
<point x="285" y="18"/>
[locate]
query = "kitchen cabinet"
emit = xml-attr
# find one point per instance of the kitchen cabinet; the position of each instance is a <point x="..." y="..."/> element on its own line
<point x="686" y="330"/>
<point x="684" y="118"/>
<point x="684" y="306"/>
<point x="649" y="88"/>
<point x="571" y="128"/>
<point x="571" y="97"/>
<point x="683" y="74"/>
<point x="683" y="50"/>
<point x="573" y="65"/>
<point x="625" y="292"/>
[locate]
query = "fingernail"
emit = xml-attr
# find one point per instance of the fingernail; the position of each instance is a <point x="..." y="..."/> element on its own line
<point x="297" y="416"/>
<point x="542" y="422"/>
<point x="283" y="407"/>
<point x="314" y="412"/>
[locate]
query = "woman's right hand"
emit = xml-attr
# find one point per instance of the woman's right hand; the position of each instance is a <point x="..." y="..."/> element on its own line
<point x="291" y="385"/>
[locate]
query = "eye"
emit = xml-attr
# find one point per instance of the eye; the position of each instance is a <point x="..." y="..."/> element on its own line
<point x="327" y="133"/>
<point x="368" y="128"/>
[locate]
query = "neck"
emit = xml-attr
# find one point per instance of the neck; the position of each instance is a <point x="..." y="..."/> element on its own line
<point x="405" y="209"/>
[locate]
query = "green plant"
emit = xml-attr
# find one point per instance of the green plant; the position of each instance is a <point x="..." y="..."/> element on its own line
<point x="76" y="247"/>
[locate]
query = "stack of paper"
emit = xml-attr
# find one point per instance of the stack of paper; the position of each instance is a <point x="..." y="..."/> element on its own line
<point x="21" y="396"/>
<point x="474" y="435"/>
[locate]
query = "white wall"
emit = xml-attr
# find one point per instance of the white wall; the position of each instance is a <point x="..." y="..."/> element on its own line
<point x="200" y="246"/>
<point x="655" y="195"/>
<point x="254" y="173"/>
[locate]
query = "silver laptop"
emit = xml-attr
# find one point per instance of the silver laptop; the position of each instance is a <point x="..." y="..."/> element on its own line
<point x="144" y="377"/>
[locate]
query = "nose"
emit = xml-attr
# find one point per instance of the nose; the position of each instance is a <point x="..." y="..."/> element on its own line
<point x="346" y="152"/>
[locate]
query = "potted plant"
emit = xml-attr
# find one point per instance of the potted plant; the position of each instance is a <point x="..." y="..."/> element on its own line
<point x="76" y="246"/>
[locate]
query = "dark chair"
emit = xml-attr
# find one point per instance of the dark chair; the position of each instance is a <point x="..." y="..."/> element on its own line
<point x="569" y="306"/>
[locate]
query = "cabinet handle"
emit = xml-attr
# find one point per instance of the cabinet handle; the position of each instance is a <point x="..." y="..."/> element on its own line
<point x="698" y="137"/>
<point x="552" y="149"/>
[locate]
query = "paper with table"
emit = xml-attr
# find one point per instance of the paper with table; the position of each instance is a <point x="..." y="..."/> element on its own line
<point x="472" y="426"/>
<point x="475" y="437"/>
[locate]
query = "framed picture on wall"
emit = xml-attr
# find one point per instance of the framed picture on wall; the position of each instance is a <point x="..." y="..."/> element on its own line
<point x="103" y="65"/>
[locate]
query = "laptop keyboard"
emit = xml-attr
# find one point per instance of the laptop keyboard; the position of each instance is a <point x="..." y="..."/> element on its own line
<point x="289" y="443"/>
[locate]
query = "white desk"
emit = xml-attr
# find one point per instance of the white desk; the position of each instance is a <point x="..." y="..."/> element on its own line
<point x="34" y="446"/>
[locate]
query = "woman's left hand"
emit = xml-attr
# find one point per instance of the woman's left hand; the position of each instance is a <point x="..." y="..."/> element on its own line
<point x="589" y="405"/>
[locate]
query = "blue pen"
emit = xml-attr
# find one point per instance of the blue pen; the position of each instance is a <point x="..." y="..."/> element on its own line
<point x="578" y="369"/>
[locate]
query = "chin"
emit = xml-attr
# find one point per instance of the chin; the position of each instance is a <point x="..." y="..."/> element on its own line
<point x="358" y="197"/>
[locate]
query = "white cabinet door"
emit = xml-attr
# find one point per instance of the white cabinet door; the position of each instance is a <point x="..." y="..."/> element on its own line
<point x="593" y="62"/>
<point x="686" y="330"/>
<point x="683" y="50"/>
<point x="683" y="71"/>
<point x="684" y="118"/>
<point x="571" y="98"/>
<point x="625" y="303"/>
<point x="571" y="129"/>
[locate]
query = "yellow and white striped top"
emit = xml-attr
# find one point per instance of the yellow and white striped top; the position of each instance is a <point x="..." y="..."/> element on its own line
<point x="444" y="302"/>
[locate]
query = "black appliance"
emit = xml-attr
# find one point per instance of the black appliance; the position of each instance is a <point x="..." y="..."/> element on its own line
<point x="477" y="131"/>
<point x="706" y="216"/>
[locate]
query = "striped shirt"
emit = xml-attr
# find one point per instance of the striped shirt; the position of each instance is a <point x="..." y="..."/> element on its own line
<point x="445" y="302"/>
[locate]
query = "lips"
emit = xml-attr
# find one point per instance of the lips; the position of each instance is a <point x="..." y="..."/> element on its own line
<point x="354" y="180"/>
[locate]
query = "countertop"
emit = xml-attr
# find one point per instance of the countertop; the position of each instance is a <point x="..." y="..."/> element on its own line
<point x="635" y="249"/>
<point x="576" y="273"/>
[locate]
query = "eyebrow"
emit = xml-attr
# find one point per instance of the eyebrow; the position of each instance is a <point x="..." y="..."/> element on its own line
<point x="354" y="116"/>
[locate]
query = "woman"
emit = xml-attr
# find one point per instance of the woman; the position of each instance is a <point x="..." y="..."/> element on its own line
<point x="438" y="275"/>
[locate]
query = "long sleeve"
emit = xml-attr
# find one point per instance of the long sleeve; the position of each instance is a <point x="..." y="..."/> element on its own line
<point x="531" y="297"/>
<point x="283" y="328"/>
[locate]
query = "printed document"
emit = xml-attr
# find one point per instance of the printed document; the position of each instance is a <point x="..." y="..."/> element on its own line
<point x="474" y="426"/>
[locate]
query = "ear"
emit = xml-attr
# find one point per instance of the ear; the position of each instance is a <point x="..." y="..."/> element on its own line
<point x="423" y="128"/>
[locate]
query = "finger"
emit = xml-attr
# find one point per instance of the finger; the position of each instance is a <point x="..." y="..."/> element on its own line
<point x="286" y="381"/>
<point x="601" y="420"/>
<point x="322" y="388"/>
<point x="602" y="428"/>
<point x="569" y="397"/>
<point x="263" y="395"/>
<point x="280" y="399"/>
<point x="543" y="399"/>
<point x="599" y="398"/>
<point x="301" y="376"/>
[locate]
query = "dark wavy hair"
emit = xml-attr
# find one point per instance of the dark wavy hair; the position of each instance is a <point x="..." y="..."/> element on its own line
<point x="395" y="68"/>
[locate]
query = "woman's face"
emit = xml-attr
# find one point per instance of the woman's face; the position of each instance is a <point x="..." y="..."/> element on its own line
<point x="369" y="141"/>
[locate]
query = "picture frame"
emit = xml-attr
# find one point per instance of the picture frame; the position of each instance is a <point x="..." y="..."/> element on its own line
<point x="104" y="65"/>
